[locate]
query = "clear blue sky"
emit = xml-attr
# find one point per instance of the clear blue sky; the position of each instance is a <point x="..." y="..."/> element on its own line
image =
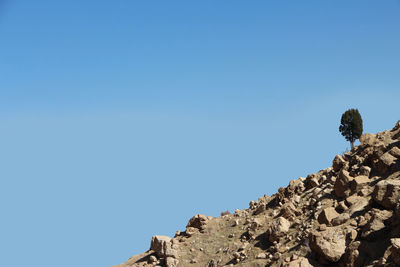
<point x="122" y="119"/>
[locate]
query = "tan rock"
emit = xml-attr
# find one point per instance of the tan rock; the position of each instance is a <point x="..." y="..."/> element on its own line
<point x="296" y="186"/>
<point x="387" y="193"/>
<point x="278" y="228"/>
<point x="338" y="163"/>
<point x="312" y="180"/>
<point x="159" y="244"/>
<point x="359" y="182"/>
<point x="198" y="221"/>
<point x="353" y="199"/>
<point x="329" y="244"/>
<point x="342" y="184"/>
<point x="376" y="223"/>
<point x="289" y="211"/>
<point x="369" y="139"/>
<point x="327" y="215"/>
<point x="387" y="159"/>
<point x="358" y="204"/>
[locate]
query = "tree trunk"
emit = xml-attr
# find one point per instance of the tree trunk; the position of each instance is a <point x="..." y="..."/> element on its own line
<point x="352" y="144"/>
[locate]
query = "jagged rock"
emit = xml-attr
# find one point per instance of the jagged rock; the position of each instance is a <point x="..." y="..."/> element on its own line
<point x="329" y="244"/>
<point x="312" y="180"/>
<point x="387" y="193"/>
<point x="296" y="186"/>
<point x="160" y="244"/>
<point x="357" y="204"/>
<point x="278" y="228"/>
<point x="388" y="160"/>
<point x="369" y="139"/>
<point x="359" y="182"/>
<point x="353" y="199"/>
<point x="260" y="209"/>
<point x="288" y="211"/>
<point x="198" y="221"/>
<point x="342" y="184"/>
<point x="376" y="223"/>
<point x="327" y="215"/>
<point x="338" y="163"/>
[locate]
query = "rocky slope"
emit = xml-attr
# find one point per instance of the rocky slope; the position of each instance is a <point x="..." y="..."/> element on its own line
<point x="345" y="215"/>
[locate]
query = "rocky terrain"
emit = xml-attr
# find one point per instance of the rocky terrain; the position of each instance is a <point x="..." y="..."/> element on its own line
<point x="345" y="215"/>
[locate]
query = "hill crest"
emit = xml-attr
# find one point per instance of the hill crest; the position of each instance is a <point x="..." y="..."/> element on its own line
<point x="345" y="215"/>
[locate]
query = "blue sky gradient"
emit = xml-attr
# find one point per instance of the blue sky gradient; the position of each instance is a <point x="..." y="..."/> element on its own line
<point x="122" y="119"/>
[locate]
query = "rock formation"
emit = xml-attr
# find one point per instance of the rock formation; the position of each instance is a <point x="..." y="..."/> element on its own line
<point x="346" y="215"/>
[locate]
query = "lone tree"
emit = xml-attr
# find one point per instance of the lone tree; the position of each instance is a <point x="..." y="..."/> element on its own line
<point x="351" y="126"/>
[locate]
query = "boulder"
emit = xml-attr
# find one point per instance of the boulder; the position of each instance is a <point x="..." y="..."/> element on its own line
<point x="357" y="204"/>
<point x="278" y="228"/>
<point x="359" y="182"/>
<point x="312" y="180"/>
<point x="388" y="159"/>
<point x="198" y="221"/>
<point x="369" y="139"/>
<point x="327" y="215"/>
<point x="338" y="163"/>
<point x="329" y="244"/>
<point x="375" y="224"/>
<point x="161" y="245"/>
<point x="295" y="188"/>
<point x="288" y="211"/>
<point x="353" y="199"/>
<point x="342" y="184"/>
<point x="352" y="256"/>
<point x="387" y="193"/>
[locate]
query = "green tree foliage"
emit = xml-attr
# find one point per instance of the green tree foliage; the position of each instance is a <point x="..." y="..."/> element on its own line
<point x="351" y="126"/>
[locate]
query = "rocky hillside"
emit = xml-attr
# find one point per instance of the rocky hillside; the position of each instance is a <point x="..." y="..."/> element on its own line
<point x="345" y="215"/>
